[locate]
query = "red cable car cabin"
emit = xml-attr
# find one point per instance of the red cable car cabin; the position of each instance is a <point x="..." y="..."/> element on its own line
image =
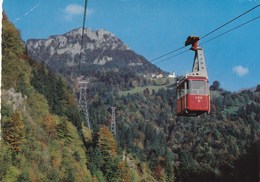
<point x="193" y="96"/>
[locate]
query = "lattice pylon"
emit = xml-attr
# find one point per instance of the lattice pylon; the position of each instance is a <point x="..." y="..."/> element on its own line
<point x="113" y="122"/>
<point x="82" y="102"/>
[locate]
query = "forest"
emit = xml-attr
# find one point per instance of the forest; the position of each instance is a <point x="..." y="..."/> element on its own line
<point x="45" y="138"/>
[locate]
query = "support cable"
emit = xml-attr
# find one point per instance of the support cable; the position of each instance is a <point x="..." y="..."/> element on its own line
<point x="211" y="32"/>
<point x="167" y="54"/>
<point x="175" y="55"/>
<point x="225" y="24"/>
<point x="82" y="102"/>
<point x="82" y="35"/>
<point x="220" y="35"/>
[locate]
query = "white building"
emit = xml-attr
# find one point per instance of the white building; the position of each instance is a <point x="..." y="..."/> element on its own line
<point x="173" y="75"/>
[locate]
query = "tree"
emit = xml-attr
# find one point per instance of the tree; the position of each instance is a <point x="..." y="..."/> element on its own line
<point x="12" y="51"/>
<point x="6" y="159"/>
<point x="63" y="131"/>
<point x="104" y="142"/>
<point x="11" y="174"/>
<point x="126" y="176"/>
<point x="215" y="85"/>
<point x="14" y="132"/>
<point x="49" y="125"/>
<point x="95" y="160"/>
<point x="158" y="172"/>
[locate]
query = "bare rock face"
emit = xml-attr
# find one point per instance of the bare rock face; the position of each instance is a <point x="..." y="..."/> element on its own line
<point x="101" y="50"/>
<point x="14" y="99"/>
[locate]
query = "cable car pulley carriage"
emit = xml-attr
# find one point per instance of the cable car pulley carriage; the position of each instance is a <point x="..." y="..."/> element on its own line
<point x="193" y="96"/>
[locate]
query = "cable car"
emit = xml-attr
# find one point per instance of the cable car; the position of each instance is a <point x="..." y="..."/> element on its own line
<point x="193" y="96"/>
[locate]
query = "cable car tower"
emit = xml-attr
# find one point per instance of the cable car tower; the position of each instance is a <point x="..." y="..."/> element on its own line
<point x="113" y="122"/>
<point x="82" y="102"/>
<point x="193" y="96"/>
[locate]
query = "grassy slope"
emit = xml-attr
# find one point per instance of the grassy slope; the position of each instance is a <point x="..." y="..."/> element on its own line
<point x="159" y="83"/>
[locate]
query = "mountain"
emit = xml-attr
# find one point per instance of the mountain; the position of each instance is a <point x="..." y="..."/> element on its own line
<point x="101" y="50"/>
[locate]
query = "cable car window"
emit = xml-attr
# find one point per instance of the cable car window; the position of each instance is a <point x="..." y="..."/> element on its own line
<point x="183" y="93"/>
<point x="198" y="87"/>
<point x="187" y="87"/>
<point x="180" y="90"/>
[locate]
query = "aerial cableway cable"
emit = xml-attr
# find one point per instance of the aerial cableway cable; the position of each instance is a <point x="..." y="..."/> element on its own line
<point x="175" y="55"/>
<point x="220" y="35"/>
<point x="211" y="32"/>
<point x="232" y="29"/>
<point x="167" y="54"/>
<point x="225" y="24"/>
<point x="82" y="36"/>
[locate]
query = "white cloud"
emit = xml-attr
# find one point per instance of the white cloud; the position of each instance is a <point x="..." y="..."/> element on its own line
<point x="90" y="12"/>
<point x="249" y="0"/>
<point x="72" y="10"/>
<point x="240" y="70"/>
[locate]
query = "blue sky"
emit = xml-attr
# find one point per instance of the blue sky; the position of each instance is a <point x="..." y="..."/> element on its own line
<point x="152" y="28"/>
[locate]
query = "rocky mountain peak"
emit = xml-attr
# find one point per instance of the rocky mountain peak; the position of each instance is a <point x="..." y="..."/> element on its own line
<point x="97" y="39"/>
<point x="100" y="48"/>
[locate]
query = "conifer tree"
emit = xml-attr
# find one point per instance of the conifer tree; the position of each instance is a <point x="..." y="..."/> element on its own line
<point x="14" y="131"/>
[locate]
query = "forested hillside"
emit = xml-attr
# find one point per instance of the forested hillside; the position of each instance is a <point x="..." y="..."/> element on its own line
<point x="209" y="147"/>
<point x="44" y="137"/>
<point x="40" y="138"/>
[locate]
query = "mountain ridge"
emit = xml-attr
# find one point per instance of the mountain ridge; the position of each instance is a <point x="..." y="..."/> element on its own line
<point x="101" y="50"/>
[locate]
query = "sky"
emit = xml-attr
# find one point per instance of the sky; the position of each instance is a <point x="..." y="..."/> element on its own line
<point x="152" y="28"/>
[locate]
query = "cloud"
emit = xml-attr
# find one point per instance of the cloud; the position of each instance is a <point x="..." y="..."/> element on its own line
<point x="72" y="10"/>
<point x="240" y="70"/>
<point x="249" y="0"/>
